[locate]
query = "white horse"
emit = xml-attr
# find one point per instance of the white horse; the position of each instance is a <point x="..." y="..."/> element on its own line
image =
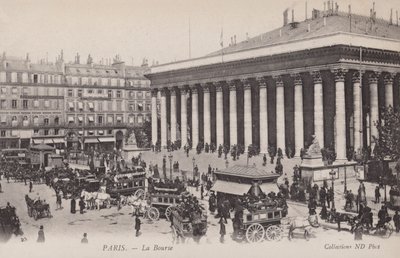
<point x="305" y="224"/>
<point x="89" y="199"/>
<point x="103" y="200"/>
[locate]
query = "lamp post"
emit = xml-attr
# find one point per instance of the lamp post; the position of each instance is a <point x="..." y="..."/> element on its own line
<point x="332" y="173"/>
<point x="164" y="167"/>
<point x="345" y="179"/>
<point x="170" y="166"/>
<point x="194" y="160"/>
<point x="227" y="163"/>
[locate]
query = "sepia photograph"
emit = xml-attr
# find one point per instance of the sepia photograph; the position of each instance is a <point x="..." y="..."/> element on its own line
<point x="199" y="128"/>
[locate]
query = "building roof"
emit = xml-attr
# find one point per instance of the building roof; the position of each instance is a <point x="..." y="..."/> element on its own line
<point x="247" y="171"/>
<point x="339" y="22"/>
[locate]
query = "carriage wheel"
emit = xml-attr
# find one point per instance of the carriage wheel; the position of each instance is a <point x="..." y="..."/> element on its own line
<point x="273" y="233"/>
<point x="153" y="214"/>
<point x="388" y="230"/>
<point x="139" y="193"/>
<point x="35" y="214"/>
<point x="255" y="233"/>
<point x="306" y="235"/>
<point x="168" y="213"/>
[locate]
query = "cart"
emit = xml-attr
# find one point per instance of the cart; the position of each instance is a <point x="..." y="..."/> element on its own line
<point x="188" y="225"/>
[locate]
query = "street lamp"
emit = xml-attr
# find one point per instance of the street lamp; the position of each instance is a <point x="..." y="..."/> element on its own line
<point x="194" y="160"/>
<point x="226" y="163"/>
<point x="164" y="167"/>
<point x="345" y="179"/>
<point x="170" y="165"/>
<point x="332" y="173"/>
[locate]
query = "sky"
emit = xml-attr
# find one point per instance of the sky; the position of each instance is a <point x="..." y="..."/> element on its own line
<point x="152" y="29"/>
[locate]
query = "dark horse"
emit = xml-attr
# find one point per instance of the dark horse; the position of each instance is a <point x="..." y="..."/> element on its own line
<point x="9" y="224"/>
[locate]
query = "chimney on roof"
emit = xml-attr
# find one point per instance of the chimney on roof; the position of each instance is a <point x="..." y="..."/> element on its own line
<point x="292" y="15"/>
<point x="397" y="18"/>
<point x="306" y="12"/>
<point x="285" y="17"/>
<point x="234" y="37"/>
<point x="309" y="28"/>
<point x="391" y="16"/>
<point x="324" y="21"/>
<point x="280" y="33"/>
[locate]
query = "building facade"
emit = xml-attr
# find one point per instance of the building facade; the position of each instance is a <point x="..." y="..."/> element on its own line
<point x="329" y="76"/>
<point x="70" y="104"/>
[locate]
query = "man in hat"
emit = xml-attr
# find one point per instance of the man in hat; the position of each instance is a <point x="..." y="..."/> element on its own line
<point x="41" y="238"/>
<point x="222" y="229"/>
<point x="73" y="205"/>
<point x="137" y="225"/>
<point x="84" y="239"/>
<point x="30" y="186"/>
<point x="81" y="205"/>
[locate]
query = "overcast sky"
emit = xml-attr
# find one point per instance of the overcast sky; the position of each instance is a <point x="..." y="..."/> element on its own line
<point x="155" y="29"/>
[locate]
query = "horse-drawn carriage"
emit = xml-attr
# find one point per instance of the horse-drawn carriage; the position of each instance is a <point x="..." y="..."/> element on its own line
<point x="394" y="202"/>
<point x="188" y="224"/>
<point x="9" y="222"/>
<point x="127" y="184"/>
<point x="163" y="196"/>
<point x="37" y="208"/>
<point x="258" y="221"/>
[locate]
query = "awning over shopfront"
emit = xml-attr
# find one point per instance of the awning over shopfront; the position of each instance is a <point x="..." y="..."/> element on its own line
<point x="80" y="105"/>
<point x="91" y="106"/>
<point x="58" y="140"/>
<point x="91" y="118"/>
<point x="70" y="104"/>
<point x="71" y="119"/>
<point x="106" y="139"/>
<point x="91" y="140"/>
<point x="80" y="118"/>
<point x="230" y="187"/>
<point x="42" y="141"/>
<point x="266" y="188"/>
<point x="3" y="119"/>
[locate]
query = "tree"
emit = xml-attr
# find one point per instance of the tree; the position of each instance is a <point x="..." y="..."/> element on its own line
<point x="388" y="143"/>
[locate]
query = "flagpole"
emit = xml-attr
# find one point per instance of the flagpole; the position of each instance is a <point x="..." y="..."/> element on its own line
<point x="190" y="45"/>
<point x="222" y="44"/>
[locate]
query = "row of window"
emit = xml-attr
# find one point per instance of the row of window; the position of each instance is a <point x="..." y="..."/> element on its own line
<point x="36" y="91"/>
<point x="17" y="77"/>
<point x="36" y="132"/>
<point x="28" y="104"/>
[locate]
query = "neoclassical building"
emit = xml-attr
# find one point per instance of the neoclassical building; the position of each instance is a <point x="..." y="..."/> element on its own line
<point x="327" y="76"/>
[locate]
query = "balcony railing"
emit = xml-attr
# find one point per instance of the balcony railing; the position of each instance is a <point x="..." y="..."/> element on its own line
<point x="20" y="126"/>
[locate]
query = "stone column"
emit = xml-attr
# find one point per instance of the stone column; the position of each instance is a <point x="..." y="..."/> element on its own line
<point x="173" y="115"/>
<point x="357" y="112"/>
<point x="280" y="114"/>
<point x="298" y="114"/>
<point x="374" y="106"/>
<point x="232" y="113"/>
<point x="318" y="108"/>
<point x="263" y="115"/>
<point x="163" y="114"/>
<point x="195" y="116"/>
<point x="340" y="115"/>
<point x="219" y="114"/>
<point x="248" y="123"/>
<point x="207" y="115"/>
<point x="388" y="81"/>
<point x="183" y="116"/>
<point x="154" y="117"/>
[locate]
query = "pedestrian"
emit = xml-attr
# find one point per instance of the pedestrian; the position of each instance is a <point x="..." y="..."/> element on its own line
<point x="222" y="230"/>
<point x="396" y="220"/>
<point x="30" y="186"/>
<point x="81" y="205"/>
<point x="41" y="238"/>
<point x="1" y="190"/>
<point x="377" y="194"/>
<point x="202" y="191"/>
<point x="137" y="225"/>
<point x="358" y="232"/>
<point x="73" y="205"/>
<point x="59" y="201"/>
<point x="84" y="239"/>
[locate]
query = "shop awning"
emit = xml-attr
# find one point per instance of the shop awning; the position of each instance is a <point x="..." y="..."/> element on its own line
<point x="3" y="119"/>
<point x="80" y="105"/>
<point x="106" y="139"/>
<point x="80" y="118"/>
<point x="91" y="106"/>
<point x="230" y="187"/>
<point x="58" y="140"/>
<point x="70" y="104"/>
<point x="80" y="132"/>
<point x="90" y="118"/>
<point x="101" y="132"/>
<point x="91" y="140"/>
<point x="119" y="118"/>
<point x="71" y="119"/>
<point x="42" y="141"/>
<point x="269" y="187"/>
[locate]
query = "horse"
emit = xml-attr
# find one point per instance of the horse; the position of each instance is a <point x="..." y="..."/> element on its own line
<point x="303" y="223"/>
<point x="89" y="199"/>
<point x="102" y="199"/>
